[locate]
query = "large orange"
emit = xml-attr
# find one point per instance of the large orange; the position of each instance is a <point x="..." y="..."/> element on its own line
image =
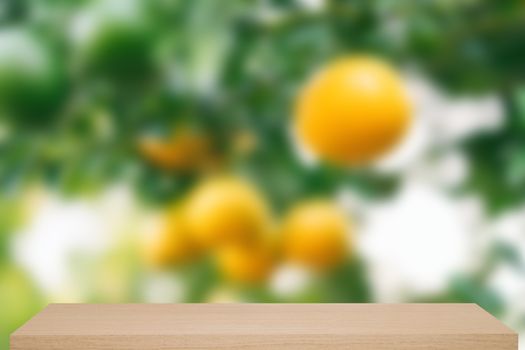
<point x="316" y="235"/>
<point x="352" y="111"/>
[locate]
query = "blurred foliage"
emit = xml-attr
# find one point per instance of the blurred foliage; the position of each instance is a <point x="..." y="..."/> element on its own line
<point x="229" y="69"/>
<point x="23" y="300"/>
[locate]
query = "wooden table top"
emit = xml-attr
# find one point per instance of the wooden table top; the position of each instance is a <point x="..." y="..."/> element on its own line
<point x="263" y="326"/>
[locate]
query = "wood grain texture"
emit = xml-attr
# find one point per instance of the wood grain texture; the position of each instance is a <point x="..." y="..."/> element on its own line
<point x="263" y="326"/>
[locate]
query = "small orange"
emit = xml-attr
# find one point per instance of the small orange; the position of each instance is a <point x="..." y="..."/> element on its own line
<point x="245" y="263"/>
<point x="170" y="244"/>
<point x="315" y="234"/>
<point x="185" y="151"/>
<point x="352" y="111"/>
<point x="226" y="210"/>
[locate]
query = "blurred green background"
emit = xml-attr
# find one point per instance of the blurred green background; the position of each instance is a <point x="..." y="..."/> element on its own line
<point x="118" y="115"/>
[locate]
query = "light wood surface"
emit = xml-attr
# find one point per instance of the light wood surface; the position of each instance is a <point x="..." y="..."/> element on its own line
<point x="263" y="326"/>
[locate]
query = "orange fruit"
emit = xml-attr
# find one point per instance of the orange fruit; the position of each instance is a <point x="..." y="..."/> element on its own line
<point x="352" y="111"/>
<point x="170" y="244"/>
<point x="226" y="210"/>
<point x="185" y="151"/>
<point x="315" y="234"/>
<point x="245" y="263"/>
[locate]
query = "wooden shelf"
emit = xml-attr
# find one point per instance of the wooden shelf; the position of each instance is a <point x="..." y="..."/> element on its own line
<point x="263" y="326"/>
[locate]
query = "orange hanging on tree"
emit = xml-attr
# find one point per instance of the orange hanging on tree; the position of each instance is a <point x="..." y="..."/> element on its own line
<point x="186" y="151"/>
<point x="316" y="234"/>
<point x="252" y="263"/>
<point x="352" y="111"/>
<point x="170" y="244"/>
<point x="226" y="210"/>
